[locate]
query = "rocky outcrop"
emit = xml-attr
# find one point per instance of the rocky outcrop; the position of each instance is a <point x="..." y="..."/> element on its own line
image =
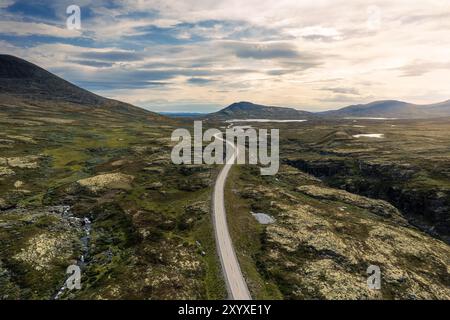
<point x="313" y="253"/>
<point x="41" y="243"/>
<point x="424" y="204"/>
<point x="321" y="168"/>
<point x="6" y="172"/>
<point x="26" y="162"/>
<point x="193" y="213"/>
<point x="379" y="207"/>
<point x="43" y="250"/>
<point x="108" y="181"/>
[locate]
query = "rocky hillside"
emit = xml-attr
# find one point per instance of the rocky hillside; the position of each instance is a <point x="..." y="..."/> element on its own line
<point x="322" y="240"/>
<point x="407" y="164"/>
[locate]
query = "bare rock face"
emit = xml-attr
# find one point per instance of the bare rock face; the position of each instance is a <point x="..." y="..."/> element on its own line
<point x="108" y="181"/>
<point x="379" y="207"/>
<point x="404" y="185"/>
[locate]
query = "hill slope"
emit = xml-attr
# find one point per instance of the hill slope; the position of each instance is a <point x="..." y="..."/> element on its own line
<point x="393" y="109"/>
<point x="28" y="90"/>
<point x="377" y="109"/>
<point x="248" y="110"/>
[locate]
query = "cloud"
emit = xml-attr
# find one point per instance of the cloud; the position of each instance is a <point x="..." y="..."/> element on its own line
<point x="345" y="91"/>
<point x="115" y="56"/>
<point x="340" y="99"/>
<point x="92" y="63"/>
<point x="6" y="3"/>
<point x="288" y="52"/>
<point x="262" y="51"/>
<point x="420" y="68"/>
<point x="318" y="33"/>
<point x="200" y="81"/>
<point x="31" y="28"/>
<point x="120" y="84"/>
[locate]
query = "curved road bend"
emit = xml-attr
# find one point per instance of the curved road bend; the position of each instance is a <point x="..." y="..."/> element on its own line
<point x="236" y="286"/>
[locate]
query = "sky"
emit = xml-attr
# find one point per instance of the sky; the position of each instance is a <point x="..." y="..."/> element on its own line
<point x="202" y="55"/>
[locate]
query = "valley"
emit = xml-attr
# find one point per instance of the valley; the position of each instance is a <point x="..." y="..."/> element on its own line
<point x="90" y="181"/>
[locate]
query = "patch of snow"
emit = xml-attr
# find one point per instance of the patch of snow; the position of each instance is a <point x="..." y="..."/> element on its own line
<point x="263" y="218"/>
<point x="369" y="135"/>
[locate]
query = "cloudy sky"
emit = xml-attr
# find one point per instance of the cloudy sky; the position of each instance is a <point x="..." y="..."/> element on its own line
<point x="201" y="55"/>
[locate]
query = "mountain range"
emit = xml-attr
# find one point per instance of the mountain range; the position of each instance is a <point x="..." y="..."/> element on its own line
<point x="379" y="109"/>
<point x="392" y="109"/>
<point x="28" y="90"/>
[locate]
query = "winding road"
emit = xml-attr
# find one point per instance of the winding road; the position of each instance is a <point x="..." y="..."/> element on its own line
<point x="235" y="282"/>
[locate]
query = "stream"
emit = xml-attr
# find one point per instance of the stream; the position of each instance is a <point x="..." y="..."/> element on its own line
<point x="86" y="226"/>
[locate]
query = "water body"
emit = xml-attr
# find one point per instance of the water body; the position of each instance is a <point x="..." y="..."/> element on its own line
<point x="369" y="118"/>
<point x="264" y="120"/>
<point x="85" y="239"/>
<point x="263" y="218"/>
<point x="369" y="135"/>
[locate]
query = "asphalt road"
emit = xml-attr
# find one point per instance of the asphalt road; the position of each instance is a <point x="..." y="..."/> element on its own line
<point x="235" y="282"/>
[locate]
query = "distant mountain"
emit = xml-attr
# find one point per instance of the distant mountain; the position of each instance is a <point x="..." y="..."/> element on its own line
<point x="27" y="89"/>
<point x="248" y="110"/>
<point x="378" y="109"/>
<point x="392" y="109"/>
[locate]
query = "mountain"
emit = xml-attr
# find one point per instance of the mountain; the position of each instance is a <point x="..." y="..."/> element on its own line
<point x="378" y="109"/>
<point x="28" y="90"/>
<point x="392" y="109"/>
<point x="248" y="110"/>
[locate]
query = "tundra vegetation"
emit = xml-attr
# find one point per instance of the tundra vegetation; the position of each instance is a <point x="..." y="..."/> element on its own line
<point x="340" y="204"/>
<point x="151" y="233"/>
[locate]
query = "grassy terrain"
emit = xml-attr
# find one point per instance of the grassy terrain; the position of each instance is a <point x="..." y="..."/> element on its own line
<point x="151" y="238"/>
<point x="324" y="238"/>
<point x="151" y="234"/>
<point x="247" y="238"/>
